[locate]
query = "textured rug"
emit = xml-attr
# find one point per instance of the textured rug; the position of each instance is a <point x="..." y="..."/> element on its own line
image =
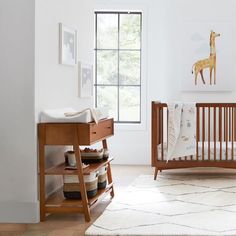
<point x="181" y="204"/>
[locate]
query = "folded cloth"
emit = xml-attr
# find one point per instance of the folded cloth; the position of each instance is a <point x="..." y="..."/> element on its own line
<point x="181" y="130"/>
<point x="72" y="115"/>
<point x="174" y="119"/>
<point x="95" y="113"/>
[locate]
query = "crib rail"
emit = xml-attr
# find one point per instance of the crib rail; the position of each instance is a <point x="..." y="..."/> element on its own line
<point x="215" y="132"/>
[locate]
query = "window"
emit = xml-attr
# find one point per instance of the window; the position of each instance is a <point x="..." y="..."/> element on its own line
<point x="118" y="64"/>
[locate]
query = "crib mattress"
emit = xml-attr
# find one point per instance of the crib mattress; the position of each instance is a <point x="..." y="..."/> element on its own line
<point x="206" y="157"/>
<point x="58" y="116"/>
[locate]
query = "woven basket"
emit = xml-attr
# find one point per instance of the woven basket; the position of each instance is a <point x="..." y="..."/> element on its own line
<point x="71" y="187"/>
<point x="102" y="177"/>
<point x="90" y="157"/>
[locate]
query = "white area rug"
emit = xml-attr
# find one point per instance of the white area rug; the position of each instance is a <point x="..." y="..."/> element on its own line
<point x="181" y="204"/>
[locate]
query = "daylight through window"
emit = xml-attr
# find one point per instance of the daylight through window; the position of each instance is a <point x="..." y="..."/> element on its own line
<point x="118" y="64"/>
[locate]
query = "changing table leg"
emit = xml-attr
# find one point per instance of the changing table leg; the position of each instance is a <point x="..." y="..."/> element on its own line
<point x="109" y="175"/>
<point x="81" y="179"/>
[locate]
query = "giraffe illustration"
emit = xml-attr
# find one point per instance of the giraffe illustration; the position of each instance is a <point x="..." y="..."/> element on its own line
<point x="209" y="62"/>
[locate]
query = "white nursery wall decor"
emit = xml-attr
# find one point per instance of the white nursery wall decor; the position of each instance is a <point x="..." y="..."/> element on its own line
<point x="68" y="45"/>
<point x="85" y="75"/>
<point x="208" y="57"/>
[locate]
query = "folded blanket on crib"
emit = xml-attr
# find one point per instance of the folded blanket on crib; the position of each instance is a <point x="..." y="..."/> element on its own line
<point x="181" y="130"/>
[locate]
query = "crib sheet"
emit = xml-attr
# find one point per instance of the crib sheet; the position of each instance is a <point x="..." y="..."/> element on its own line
<point x="200" y="146"/>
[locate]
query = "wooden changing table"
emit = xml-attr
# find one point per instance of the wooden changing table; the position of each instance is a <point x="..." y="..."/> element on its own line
<point x="75" y="134"/>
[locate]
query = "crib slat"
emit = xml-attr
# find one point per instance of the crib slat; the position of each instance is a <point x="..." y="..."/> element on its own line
<point x="214" y="133"/>
<point x="197" y="133"/>
<point x="220" y="131"/>
<point x="230" y="127"/>
<point x="233" y="130"/>
<point x="209" y="132"/>
<point x="167" y="118"/>
<point x="226" y="132"/>
<point x="224" y="109"/>
<point x="232" y="137"/>
<point x="156" y="132"/>
<point x="162" y="148"/>
<point x="234" y="124"/>
<point x="203" y="132"/>
<point x="230" y="123"/>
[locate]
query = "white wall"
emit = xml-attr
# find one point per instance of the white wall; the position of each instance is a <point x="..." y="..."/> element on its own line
<point x="181" y="12"/>
<point x="56" y="85"/>
<point x="165" y="25"/>
<point x="32" y="80"/>
<point x="18" y="168"/>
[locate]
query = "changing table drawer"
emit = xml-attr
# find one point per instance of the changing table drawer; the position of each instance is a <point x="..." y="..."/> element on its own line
<point x="64" y="133"/>
<point x="103" y="129"/>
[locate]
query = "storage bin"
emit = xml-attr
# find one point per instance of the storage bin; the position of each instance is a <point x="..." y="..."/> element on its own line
<point x="91" y="155"/>
<point x="102" y="177"/>
<point x="71" y="187"/>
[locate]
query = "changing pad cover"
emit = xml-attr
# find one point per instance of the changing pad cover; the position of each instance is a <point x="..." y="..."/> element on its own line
<point x="58" y="115"/>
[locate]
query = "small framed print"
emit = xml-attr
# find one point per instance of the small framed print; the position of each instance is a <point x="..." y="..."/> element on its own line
<point x="68" y="45"/>
<point x="85" y="75"/>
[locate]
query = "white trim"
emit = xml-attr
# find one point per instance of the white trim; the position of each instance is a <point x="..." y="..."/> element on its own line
<point x="19" y="212"/>
<point x="143" y="9"/>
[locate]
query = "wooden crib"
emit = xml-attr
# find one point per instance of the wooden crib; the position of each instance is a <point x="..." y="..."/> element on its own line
<point x="215" y="137"/>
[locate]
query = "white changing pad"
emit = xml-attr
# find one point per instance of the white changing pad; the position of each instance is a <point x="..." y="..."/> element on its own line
<point x="58" y="115"/>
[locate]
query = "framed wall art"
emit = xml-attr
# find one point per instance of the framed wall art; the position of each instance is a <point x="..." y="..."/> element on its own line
<point x="208" y="57"/>
<point x="85" y="76"/>
<point x="67" y="45"/>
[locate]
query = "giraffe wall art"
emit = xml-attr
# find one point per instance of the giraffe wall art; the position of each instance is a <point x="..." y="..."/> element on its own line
<point x="208" y="63"/>
<point x="204" y="58"/>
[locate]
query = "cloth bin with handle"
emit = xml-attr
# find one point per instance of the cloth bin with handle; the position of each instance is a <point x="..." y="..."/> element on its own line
<point x="71" y="187"/>
<point x="102" y="177"/>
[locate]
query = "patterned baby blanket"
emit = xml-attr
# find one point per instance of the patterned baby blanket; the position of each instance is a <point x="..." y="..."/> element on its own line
<point x="181" y="130"/>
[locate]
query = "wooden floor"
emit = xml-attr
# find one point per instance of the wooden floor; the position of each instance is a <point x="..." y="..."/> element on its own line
<point x="74" y="224"/>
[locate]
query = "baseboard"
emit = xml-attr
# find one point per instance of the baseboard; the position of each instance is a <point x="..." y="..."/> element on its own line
<point x="19" y="212"/>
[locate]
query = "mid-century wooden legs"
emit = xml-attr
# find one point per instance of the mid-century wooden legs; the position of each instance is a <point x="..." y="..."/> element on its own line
<point x="109" y="175"/>
<point x="81" y="180"/>
<point x="155" y="174"/>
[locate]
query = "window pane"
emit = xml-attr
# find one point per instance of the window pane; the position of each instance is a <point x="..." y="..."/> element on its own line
<point x="107" y="97"/>
<point x="118" y="67"/>
<point x="107" y="31"/>
<point x="129" y="103"/>
<point x="130" y="68"/>
<point x="107" y="67"/>
<point x="130" y="31"/>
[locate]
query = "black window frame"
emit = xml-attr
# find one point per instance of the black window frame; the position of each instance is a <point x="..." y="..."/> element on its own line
<point x="96" y="85"/>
